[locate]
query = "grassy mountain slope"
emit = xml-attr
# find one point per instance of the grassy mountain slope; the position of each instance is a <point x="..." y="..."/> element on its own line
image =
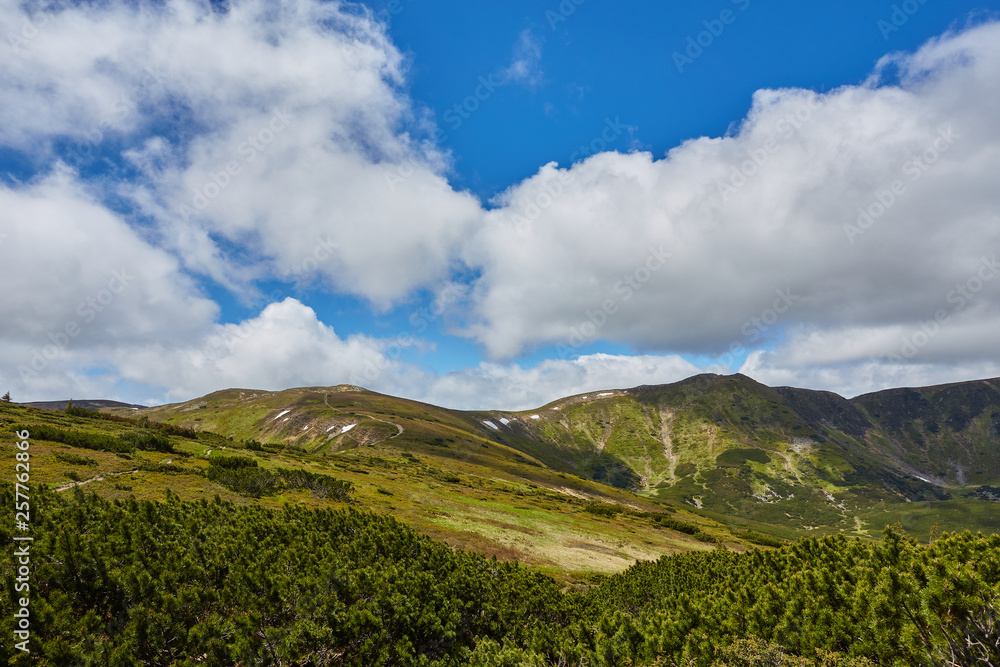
<point x="449" y="484"/>
<point x="782" y="456"/>
<point x="727" y="446"/>
<point x="720" y="454"/>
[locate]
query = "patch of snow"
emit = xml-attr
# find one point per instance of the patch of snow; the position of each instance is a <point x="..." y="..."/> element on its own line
<point x="285" y="419"/>
<point x="535" y="416"/>
<point x="504" y="421"/>
<point x="491" y="425"/>
<point x="347" y="428"/>
<point x="305" y="428"/>
<point x="923" y="479"/>
<point x="607" y="393"/>
<point x="331" y="428"/>
<point x="281" y="413"/>
<point x="585" y="397"/>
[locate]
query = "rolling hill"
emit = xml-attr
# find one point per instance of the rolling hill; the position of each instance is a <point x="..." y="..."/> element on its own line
<point x="727" y="446"/>
<point x="589" y="483"/>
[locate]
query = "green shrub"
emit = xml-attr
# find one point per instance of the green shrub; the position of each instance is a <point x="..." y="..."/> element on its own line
<point x="148" y="441"/>
<point x="75" y="460"/>
<point x="602" y="509"/>
<point x="104" y="442"/>
<point x="232" y="462"/>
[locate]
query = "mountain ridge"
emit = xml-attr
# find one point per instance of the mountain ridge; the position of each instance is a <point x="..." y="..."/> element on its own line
<point x="583" y="483"/>
<point x="722" y="442"/>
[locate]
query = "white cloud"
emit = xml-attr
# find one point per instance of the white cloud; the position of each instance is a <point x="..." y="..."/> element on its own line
<point x="525" y="66"/>
<point x="286" y="127"/>
<point x="292" y="152"/>
<point x="765" y="212"/>
<point x="77" y="275"/>
<point x="511" y="387"/>
<point x="287" y="346"/>
<point x="284" y="346"/>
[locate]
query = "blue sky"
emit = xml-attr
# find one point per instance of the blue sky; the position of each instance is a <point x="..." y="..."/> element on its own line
<point x="608" y="60"/>
<point x="496" y="204"/>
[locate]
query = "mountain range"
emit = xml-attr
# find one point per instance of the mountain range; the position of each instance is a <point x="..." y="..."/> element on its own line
<point x="571" y="486"/>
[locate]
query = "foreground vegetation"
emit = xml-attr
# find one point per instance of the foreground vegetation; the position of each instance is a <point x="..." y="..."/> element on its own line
<point x="470" y="496"/>
<point x="127" y="582"/>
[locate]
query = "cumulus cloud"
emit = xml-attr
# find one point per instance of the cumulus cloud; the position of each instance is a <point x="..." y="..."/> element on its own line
<point x="275" y="140"/>
<point x="511" y="387"/>
<point x="280" y="129"/>
<point x="858" y="210"/>
<point x="284" y="346"/>
<point x="79" y="277"/>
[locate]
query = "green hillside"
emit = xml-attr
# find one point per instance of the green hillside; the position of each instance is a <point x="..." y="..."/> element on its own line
<point x="727" y="447"/>
<point x="647" y="526"/>
<point x="464" y="490"/>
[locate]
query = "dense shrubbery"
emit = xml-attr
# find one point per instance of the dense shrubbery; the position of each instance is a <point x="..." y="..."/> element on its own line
<point x="893" y="603"/>
<point x="757" y="538"/>
<point x="232" y="462"/>
<point x="104" y="442"/>
<point x="242" y="475"/>
<point x="74" y="459"/>
<point x="144" y="421"/>
<point x="148" y="440"/>
<point x="679" y="526"/>
<point x="144" y="583"/>
<point x="128" y="441"/>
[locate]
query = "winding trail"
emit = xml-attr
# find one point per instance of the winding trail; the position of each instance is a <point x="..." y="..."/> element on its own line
<point x="399" y="428"/>
<point x="67" y="487"/>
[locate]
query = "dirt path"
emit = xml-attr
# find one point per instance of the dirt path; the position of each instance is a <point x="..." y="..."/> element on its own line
<point x="67" y="487"/>
<point x="399" y="428"/>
